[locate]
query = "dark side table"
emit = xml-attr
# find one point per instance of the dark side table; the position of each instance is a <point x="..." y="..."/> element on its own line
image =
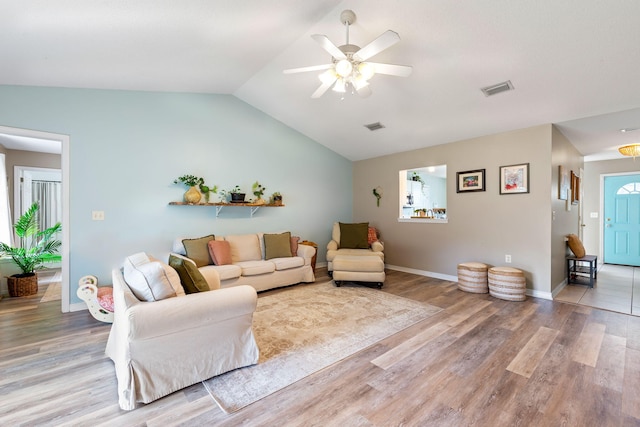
<point x="587" y="266"/>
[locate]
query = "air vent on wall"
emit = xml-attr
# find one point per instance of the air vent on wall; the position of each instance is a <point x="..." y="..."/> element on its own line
<point x="374" y="126"/>
<point x="497" y="88"/>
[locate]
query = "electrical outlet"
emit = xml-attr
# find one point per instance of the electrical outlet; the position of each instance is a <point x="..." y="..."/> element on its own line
<point x="507" y="259"/>
<point x="97" y="215"/>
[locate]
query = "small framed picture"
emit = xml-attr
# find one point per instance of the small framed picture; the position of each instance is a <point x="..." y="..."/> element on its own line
<point x="470" y="181"/>
<point x="514" y="179"/>
<point x="563" y="182"/>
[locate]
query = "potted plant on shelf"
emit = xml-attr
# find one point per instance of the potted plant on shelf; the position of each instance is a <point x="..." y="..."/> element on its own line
<point x="236" y="194"/>
<point x="38" y="245"/>
<point x="276" y="198"/>
<point x="192" y="195"/>
<point x="258" y="191"/>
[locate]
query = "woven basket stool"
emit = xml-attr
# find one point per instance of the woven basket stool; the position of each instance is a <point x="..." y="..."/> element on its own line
<point x="472" y="277"/>
<point x="507" y="283"/>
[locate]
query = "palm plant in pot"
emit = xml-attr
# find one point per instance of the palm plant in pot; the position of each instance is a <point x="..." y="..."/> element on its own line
<point x="38" y="245"/>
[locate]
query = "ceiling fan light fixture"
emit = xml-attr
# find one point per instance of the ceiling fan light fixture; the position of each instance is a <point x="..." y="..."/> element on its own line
<point x="344" y="68"/>
<point x="359" y="82"/>
<point x="328" y="76"/>
<point x="631" y="150"/>
<point x="339" y="86"/>
<point x="366" y="70"/>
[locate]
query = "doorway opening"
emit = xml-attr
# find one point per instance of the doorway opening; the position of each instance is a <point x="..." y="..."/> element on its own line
<point x="42" y="142"/>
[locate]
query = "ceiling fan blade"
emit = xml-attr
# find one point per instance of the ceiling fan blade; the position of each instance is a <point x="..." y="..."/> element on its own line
<point x="328" y="46"/>
<point x="385" y="40"/>
<point x="323" y="88"/>
<point x="391" y="69"/>
<point x="364" y="91"/>
<point x="305" y="69"/>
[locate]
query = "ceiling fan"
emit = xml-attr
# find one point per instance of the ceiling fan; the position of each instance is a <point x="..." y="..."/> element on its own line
<point x="349" y="68"/>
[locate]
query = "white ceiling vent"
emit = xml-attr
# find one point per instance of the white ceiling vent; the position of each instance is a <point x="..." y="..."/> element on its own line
<point x="374" y="126"/>
<point x="497" y="88"/>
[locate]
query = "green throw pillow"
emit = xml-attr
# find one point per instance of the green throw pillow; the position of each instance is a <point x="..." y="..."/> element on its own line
<point x="354" y="236"/>
<point x="277" y="245"/>
<point x="190" y="277"/>
<point x="198" y="250"/>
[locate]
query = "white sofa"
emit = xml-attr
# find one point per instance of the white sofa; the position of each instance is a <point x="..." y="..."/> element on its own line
<point x="249" y="265"/>
<point x="334" y="248"/>
<point x="163" y="345"/>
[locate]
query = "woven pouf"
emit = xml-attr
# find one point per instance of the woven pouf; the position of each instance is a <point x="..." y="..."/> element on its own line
<point x="472" y="277"/>
<point x="507" y="283"/>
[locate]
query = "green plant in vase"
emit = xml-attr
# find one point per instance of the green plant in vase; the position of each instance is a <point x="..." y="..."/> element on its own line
<point x="192" y="195"/>
<point x="258" y="190"/>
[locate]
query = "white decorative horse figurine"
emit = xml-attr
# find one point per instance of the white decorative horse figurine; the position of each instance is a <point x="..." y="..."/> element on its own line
<point x="99" y="300"/>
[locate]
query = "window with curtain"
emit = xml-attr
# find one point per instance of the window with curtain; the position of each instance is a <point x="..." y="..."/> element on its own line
<point x="6" y="228"/>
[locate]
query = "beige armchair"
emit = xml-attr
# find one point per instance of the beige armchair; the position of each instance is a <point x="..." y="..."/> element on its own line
<point x="162" y="346"/>
<point x="336" y="247"/>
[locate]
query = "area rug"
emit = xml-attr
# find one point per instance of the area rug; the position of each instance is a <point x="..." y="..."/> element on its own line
<point x="306" y="328"/>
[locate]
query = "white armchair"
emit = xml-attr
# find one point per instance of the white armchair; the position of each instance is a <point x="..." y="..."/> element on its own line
<point x="163" y="346"/>
<point x="334" y="248"/>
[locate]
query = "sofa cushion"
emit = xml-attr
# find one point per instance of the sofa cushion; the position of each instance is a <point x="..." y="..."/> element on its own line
<point x="576" y="246"/>
<point x="225" y="272"/>
<point x="253" y="268"/>
<point x="277" y="245"/>
<point x="287" y="262"/>
<point x="294" y="245"/>
<point x="372" y="235"/>
<point x="244" y="247"/>
<point x="220" y="252"/>
<point x="190" y="277"/>
<point x="354" y="236"/>
<point x="198" y="250"/>
<point x="147" y="279"/>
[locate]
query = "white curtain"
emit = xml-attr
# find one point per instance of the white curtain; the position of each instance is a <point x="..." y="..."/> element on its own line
<point x="48" y="194"/>
<point x="6" y="227"/>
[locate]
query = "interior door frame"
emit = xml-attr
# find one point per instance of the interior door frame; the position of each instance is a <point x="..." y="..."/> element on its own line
<point x="65" y="158"/>
<point x="602" y="220"/>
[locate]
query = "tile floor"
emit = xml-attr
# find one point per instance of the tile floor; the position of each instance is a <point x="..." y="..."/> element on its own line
<point x="617" y="289"/>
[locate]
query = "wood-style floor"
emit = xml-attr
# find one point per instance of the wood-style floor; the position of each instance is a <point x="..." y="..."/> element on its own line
<point x="481" y="361"/>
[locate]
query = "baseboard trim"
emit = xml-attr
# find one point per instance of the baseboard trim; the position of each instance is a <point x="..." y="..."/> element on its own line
<point x="423" y="273"/>
<point x="79" y="306"/>
<point x="531" y="292"/>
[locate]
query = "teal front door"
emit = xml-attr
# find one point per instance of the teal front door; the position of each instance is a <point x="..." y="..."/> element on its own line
<point x="622" y="220"/>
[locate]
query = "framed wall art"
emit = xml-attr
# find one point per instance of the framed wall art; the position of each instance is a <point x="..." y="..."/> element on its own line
<point x="514" y="179"/>
<point x="575" y="189"/>
<point x="470" y="181"/>
<point x="563" y="182"/>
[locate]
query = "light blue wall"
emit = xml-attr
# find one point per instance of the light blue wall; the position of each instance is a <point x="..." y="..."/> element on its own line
<point x="126" y="148"/>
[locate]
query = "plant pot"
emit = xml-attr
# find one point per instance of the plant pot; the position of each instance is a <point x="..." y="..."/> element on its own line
<point x="277" y="200"/>
<point x="22" y="285"/>
<point x="237" y="197"/>
<point x="192" y="195"/>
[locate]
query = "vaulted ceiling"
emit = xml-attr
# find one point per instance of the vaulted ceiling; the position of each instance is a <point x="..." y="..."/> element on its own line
<point x="573" y="63"/>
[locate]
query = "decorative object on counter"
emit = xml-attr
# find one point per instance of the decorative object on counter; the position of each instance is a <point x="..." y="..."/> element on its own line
<point x="514" y="179"/>
<point x="378" y="193"/>
<point x="276" y="198"/>
<point x="258" y="191"/>
<point x="421" y="212"/>
<point x="192" y="195"/>
<point x="37" y="246"/>
<point x="470" y="181"/>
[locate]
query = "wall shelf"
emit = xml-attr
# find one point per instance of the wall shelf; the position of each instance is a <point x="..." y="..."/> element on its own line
<point x="219" y="206"/>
